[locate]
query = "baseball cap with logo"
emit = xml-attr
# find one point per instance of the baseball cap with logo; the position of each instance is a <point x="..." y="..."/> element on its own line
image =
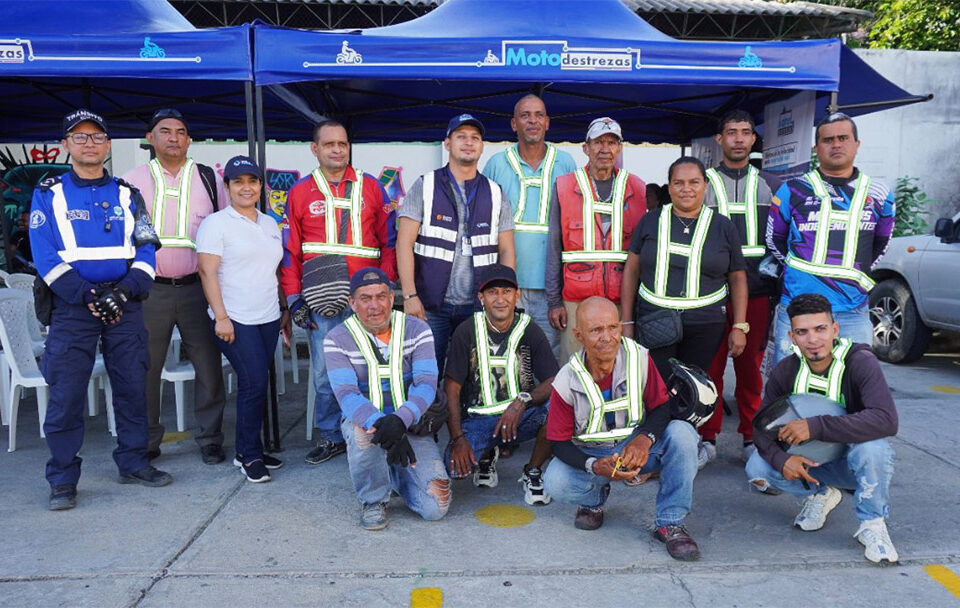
<point x="165" y="113"/>
<point x="602" y="126"/>
<point x="464" y="119"/>
<point x="241" y="165"/>
<point x="369" y="275"/>
<point x="71" y="120"/>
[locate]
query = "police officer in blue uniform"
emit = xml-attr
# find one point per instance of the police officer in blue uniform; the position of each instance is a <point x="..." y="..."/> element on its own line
<point x="95" y="250"/>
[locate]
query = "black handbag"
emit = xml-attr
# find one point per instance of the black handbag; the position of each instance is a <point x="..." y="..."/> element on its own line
<point x="659" y="329"/>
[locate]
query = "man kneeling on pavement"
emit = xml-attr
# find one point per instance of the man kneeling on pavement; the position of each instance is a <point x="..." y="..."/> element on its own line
<point x="499" y="370"/>
<point x="383" y="372"/>
<point x="609" y="421"/>
<point x="847" y="373"/>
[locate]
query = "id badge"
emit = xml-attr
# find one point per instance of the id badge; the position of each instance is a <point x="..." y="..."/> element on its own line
<point x="465" y="247"/>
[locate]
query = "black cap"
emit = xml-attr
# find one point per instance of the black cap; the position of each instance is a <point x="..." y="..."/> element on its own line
<point x="241" y="165"/>
<point x="464" y="119"/>
<point x="369" y="275"/>
<point x="497" y="273"/>
<point x="165" y="113"/>
<point x="71" y="120"/>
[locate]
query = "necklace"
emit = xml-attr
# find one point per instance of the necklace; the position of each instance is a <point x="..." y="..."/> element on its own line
<point x="596" y="191"/>
<point x="686" y="226"/>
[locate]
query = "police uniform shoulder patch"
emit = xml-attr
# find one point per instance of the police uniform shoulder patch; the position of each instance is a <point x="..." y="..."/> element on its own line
<point x="37" y="219"/>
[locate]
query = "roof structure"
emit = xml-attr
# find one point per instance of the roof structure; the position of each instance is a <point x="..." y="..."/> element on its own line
<point x="685" y="19"/>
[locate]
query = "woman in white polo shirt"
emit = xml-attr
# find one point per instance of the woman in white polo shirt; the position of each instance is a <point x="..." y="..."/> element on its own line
<point x="238" y="252"/>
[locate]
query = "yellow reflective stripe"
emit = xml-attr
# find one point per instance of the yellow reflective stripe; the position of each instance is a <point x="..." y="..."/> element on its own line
<point x="830" y="384"/>
<point x="543" y="181"/>
<point x="694" y="254"/>
<point x="593" y="256"/>
<point x="338" y="249"/>
<point x="682" y="303"/>
<point x="354" y="204"/>
<point x="748" y="208"/>
<point x="829" y="215"/>
<point x="509" y="362"/>
<point x="831" y="271"/>
<point x="174" y="241"/>
<point x="632" y="401"/>
<point x="531" y="228"/>
<point x="591" y="207"/>
<point x="393" y="371"/>
<point x="753" y="252"/>
<point x="181" y="193"/>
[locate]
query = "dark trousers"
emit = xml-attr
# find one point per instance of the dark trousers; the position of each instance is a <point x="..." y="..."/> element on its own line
<point x="186" y="308"/>
<point x="67" y="364"/>
<point x="443" y="322"/>
<point x="700" y="342"/>
<point x="250" y="355"/>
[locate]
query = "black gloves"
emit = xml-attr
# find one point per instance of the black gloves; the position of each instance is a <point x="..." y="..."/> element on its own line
<point x="109" y="304"/>
<point x="300" y="313"/>
<point x="391" y="435"/>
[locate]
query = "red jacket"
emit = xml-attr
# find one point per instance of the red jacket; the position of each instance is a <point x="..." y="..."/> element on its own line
<point x="306" y="218"/>
<point x="582" y="280"/>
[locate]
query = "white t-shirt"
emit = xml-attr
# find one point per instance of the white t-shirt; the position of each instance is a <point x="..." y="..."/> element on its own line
<point x="249" y="255"/>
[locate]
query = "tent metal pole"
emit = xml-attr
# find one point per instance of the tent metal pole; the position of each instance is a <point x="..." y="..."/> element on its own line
<point x="891" y="102"/>
<point x="261" y="129"/>
<point x="248" y="98"/>
<point x="833" y="107"/>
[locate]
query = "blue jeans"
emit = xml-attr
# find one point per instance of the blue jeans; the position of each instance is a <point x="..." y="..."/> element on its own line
<point x="442" y="322"/>
<point x="854" y="324"/>
<point x="866" y="468"/>
<point x="327" y="412"/>
<point x="478" y="432"/>
<point x="425" y="488"/>
<point x="250" y="356"/>
<point x="674" y="455"/>
<point x="534" y="303"/>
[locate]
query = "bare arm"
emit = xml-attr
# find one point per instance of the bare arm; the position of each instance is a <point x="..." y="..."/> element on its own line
<point x="737" y="340"/>
<point x="407" y="232"/>
<point x="207" y="265"/>
<point x="628" y="292"/>
<point x="507" y="254"/>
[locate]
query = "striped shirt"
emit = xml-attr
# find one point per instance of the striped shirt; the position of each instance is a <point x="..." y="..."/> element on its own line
<point x="347" y="372"/>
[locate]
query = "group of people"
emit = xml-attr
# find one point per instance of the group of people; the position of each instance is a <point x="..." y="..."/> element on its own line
<point x="528" y="301"/>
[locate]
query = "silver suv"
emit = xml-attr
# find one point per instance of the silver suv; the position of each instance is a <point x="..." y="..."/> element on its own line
<point x="917" y="291"/>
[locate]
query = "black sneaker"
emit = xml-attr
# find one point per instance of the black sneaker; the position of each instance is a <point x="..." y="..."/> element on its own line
<point x="255" y="471"/>
<point x="148" y="476"/>
<point x="268" y="461"/>
<point x="63" y="497"/>
<point x="212" y="454"/>
<point x="325" y="450"/>
<point x="532" y="480"/>
<point x="153" y="454"/>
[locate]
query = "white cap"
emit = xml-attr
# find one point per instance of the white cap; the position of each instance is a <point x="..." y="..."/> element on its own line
<point x="601" y="126"/>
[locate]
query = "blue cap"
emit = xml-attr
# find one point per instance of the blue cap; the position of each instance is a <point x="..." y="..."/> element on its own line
<point x="464" y="119"/>
<point x="369" y="275"/>
<point x="241" y="165"/>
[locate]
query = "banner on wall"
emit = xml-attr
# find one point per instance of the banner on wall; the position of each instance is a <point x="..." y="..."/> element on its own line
<point x="788" y="135"/>
<point x="707" y="150"/>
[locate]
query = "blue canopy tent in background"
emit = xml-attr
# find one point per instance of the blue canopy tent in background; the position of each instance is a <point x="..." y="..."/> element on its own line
<point x="122" y="59"/>
<point x="402" y="82"/>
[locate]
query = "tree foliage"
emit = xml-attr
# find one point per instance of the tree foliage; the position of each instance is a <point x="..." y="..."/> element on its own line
<point x="921" y="25"/>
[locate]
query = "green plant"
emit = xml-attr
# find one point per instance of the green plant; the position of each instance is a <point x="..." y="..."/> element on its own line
<point x="912" y="203"/>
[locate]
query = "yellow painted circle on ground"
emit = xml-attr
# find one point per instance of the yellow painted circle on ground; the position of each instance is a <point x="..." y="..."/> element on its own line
<point x="950" y="390"/>
<point x="174" y="437"/>
<point x="426" y="597"/>
<point x="504" y="516"/>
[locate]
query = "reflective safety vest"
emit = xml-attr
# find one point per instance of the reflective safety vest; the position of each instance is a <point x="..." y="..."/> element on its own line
<point x="354" y="204"/>
<point x="509" y="362"/>
<point x="591" y="206"/>
<point x="632" y="401"/>
<point x="753" y="248"/>
<point x="690" y="296"/>
<point x="829" y="384"/>
<point x="376" y="373"/>
<point x="544" y="181"/>
<point x="818" y="264"/>
<point x="180" y="238"/>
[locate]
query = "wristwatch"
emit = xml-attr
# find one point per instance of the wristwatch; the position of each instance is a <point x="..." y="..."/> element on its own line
<point x="525" y="398"/>
<point x="409" y="296"/>
<point x="588" y="465"/>
<point x="744" y="327"/>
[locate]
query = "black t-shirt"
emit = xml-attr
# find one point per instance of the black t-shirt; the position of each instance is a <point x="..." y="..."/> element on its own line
<point x="721" y="255"/>
<point x="537" y="362"/>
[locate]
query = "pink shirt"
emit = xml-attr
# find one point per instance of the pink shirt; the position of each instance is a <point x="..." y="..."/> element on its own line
<point x="173" y="262"/>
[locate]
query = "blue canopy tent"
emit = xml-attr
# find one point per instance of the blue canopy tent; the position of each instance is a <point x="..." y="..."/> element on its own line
<point x="402" y="82"/>
<point x="123" y="59"/>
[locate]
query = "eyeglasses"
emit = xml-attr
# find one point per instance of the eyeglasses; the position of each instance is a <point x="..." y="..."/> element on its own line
<point x="81" y="138"/>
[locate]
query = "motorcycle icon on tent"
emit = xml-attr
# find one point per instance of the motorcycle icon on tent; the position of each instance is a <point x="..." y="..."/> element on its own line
<point x="750" y="60"/>
<point x="150" y="50"/>
<point x="348" y="55"/>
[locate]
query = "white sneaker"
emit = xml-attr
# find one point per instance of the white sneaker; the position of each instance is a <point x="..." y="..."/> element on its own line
<point x="813" y="513"/>
<point x="706" y="453"/>
<point x="873" y="535"/>
<point x="533" y="493"/>
<point x="486" y="472"/>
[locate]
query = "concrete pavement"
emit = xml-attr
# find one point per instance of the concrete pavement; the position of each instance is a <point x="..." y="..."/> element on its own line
<point x="211" y="538"/>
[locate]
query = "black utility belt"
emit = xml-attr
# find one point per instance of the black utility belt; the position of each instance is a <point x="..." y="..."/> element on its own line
<point x="188" y="279"/>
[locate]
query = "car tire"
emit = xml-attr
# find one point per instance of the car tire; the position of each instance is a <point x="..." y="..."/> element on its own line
<point x="899" y="334"/>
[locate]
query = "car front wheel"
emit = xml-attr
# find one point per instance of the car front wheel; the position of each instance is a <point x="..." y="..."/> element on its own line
<point x="899" y="335"/>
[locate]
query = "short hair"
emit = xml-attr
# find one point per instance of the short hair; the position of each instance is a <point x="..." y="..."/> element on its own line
<point x="686" y="160"/>
<point x="809" y="304"/>
<point x="329" y="122"/>
<point x="832" y="118"/>
<point x="528" y="96"/>
<point x="735" y="116"/>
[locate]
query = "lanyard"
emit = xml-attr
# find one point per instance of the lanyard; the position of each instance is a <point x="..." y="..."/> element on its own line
<point x="468" y="197"/>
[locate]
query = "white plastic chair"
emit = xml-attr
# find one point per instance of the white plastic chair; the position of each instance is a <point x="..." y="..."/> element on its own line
<point x="20" y="280"/>
<point x="299" y="334"/>
<point x="15" y="314"/>
<point x="180" y="373"/>
<point x="311" y="395"/>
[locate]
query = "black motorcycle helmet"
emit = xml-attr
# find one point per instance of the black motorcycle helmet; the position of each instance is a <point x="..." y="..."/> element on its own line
<point x="693" y="395"/>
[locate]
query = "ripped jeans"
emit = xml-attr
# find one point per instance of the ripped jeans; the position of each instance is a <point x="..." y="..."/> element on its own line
<point x="425" y="488"/>
<point x="866" y="468"/>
